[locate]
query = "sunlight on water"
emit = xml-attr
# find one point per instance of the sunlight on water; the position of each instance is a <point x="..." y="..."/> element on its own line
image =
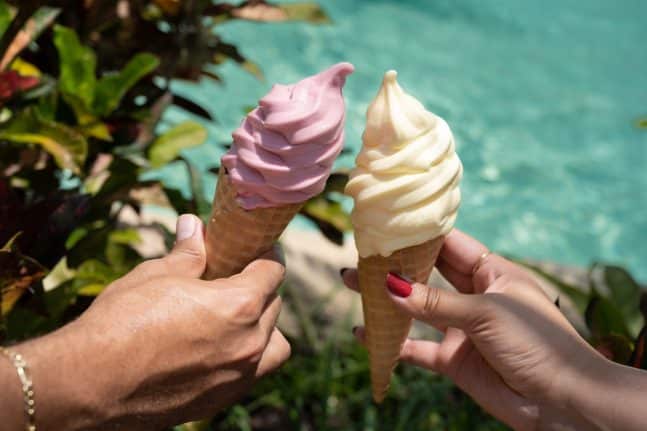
<point x="542" y="97"/>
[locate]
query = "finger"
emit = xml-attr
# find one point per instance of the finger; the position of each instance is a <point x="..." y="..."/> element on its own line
<point x="461" y="251"/>
<point x="421" y="353"/>
<point x="188" y="256"/>
<point x="276" y="353"/>
<point x="350" y="278"/>
<point x="462" y="254"/>
<point x="186" y="259"/>
<point x="269" y="316"/>
<point x="360" y="334"/>
<point x="264" y="275"/>
<point x="461" y="282"/>
<point x="437" y="307"/>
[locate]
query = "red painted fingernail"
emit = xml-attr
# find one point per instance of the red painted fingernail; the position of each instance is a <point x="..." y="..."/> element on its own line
<point x="398" y="285"/>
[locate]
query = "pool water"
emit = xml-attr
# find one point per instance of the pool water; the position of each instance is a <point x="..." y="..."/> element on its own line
<point x="543" y="98"/>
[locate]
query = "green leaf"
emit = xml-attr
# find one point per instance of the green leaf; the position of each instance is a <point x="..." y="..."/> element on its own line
<point x="125" y="236"/>
<point x="167" y="147"/>
<point x="616" y="347"/>
<point x="93" y="276"/>
<point x="625" y="292"/>
<point x="579" y="298"/>
<point x="17" y="273"/>
<point x="119" y="252"/>
<point x="226" y="51"/>
<point x="177" y="200"/>
<point x="93" y="243"/>
<point x="109" y="246"/>
<point x="329" y="211"/>
<point x="78" y="64"/>
<point x="112" y="88"/>
<point x="336" y="182"/>
<point x="124" y="176"/>
<point x="604" y="318"/>
<point x="194" y="426"/>
<point x="202" y="205"/>
<point x="68" y="147"/>
<point x="5" y="17"/>
<point x="329" y="216"/>
<point x="639" y="355"/>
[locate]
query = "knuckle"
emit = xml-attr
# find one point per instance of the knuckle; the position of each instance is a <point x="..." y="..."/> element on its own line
<point x="408" y="351"/>
<point x="273" y="269"/>
<point x="151" y="268"/>
<point x="248" y="309"/>
<point x="255" y="347"/>
<point x="192" y="257"/>
<point x="430" y="300"/>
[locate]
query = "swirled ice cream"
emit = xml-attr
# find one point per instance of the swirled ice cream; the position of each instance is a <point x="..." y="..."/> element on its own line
<point x="405" y="185"/>
<point x="284" y="150"/>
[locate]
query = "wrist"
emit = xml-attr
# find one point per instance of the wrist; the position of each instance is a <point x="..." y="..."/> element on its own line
<point x="12" y="409"/>
<point x="588" y="390"/>
<point x="583" y="378"/>
<point x="62" y="391"/>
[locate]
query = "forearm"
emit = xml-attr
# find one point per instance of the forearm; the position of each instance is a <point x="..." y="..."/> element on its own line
<point x="613" y="398"/>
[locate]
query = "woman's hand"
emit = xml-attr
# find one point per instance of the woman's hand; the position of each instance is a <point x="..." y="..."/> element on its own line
<point x="160" y="346"/>
<point x="506" y="344"/>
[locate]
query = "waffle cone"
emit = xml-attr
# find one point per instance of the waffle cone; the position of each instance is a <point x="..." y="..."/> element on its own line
<point x="386" y="326"/>
<point x="236" y="236"/>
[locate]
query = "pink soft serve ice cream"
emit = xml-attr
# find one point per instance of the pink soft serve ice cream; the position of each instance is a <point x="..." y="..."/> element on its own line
<point x="284" y="150"/>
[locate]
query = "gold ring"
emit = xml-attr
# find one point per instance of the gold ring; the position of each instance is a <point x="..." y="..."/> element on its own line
<point x="479" y="263"/>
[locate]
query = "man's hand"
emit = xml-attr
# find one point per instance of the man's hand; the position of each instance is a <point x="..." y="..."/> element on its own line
<point x="160" y="346"/>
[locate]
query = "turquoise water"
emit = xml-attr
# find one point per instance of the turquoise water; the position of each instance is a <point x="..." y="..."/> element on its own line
<point x="542" y="97"/>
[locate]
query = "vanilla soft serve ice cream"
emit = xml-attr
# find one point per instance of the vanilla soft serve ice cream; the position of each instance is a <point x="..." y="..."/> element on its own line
<point x="405" y="184"/>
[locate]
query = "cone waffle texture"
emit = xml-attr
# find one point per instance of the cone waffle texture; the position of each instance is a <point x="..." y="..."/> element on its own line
<point x="386" y="326"/>
<point x="236" y="236"/>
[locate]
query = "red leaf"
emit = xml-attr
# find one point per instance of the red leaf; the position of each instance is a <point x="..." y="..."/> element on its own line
<point x="11" y="83"/>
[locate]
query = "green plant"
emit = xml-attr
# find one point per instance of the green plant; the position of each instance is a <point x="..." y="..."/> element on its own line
<point x="615" y="311"/>
<point x="83" y="85"/>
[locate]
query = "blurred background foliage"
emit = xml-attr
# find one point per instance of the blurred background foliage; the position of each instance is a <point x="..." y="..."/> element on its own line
<point x="83" y="85"/>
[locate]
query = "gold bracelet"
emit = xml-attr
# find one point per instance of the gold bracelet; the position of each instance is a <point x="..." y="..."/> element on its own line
<point x="27" y="387"/>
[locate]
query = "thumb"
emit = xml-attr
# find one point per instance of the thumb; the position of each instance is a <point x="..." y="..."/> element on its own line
<point x="188" y="256"/>
<point x="437" y="307"/>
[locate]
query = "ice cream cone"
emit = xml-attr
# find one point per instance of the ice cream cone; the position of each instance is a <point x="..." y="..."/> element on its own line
<point x="386" y="326"/>
<point x="405" y="188"/>
<point x="280" y="157"/>
<point x="236" y="236"/>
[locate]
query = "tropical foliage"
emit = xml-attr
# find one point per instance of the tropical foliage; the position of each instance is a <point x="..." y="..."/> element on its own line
<point x="83" y="85"/>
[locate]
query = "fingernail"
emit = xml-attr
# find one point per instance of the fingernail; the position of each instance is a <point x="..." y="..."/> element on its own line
<point x="398" y="285"/>
<point x="342" y="271"/>
<point x="185" y="227"/>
